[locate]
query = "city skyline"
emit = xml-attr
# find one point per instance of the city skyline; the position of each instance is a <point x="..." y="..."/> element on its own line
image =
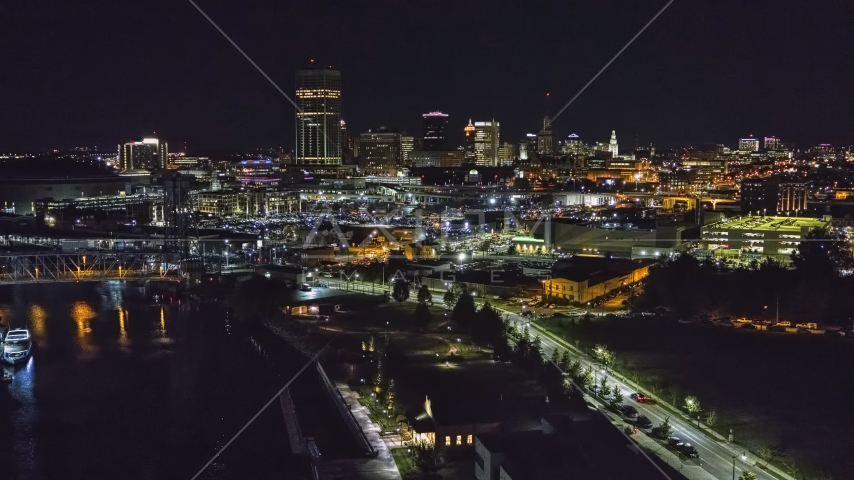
<point x="654" y="93"/>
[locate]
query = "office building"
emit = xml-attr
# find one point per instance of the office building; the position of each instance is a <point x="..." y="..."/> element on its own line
<point x="407" y="145"/>
<point x="573" y="145"/>
<point x="469" y="156"/>
<point x="318" y="118"/>
<point x="435" y="124"/>
<point x="748" y="144"/>
<point x="710" y="167"/>
<point x="149" y="154"/>
<point x="773" y="195"/>
<point x="486" y="137"/>
<point x="444" y="159"/>
<point x="546" y="144"/>
<point x="506" y="154"/>
<point x="380" y="152"/>
<point x="772" y="143"/>
<point x="528" y="146"/>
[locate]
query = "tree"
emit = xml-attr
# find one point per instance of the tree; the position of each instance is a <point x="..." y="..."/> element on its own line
<point x="711" y="417"/>
<point x="664" y="430"/>
<point x="488" y="327"/>
<point x="555" y="359"/>
<point x="604" y="386"/>
<point x="464" y="310"/>
<point x="692" y="404"/>
<point x="422" y="315"/>
<point x="511" y="250"/>
<point x="747" y="476"/>
<point x="618" y="395"/>
<point x="455" y="291"/>
<point x="823" y="252"/>
<point x="586" y="377"/>
<point x="424" y="294"/>
<point x="573" y="369"/>
<point x="400" y="291"/>
<point x="450" y="299"/>
<point x="564" y="361"/>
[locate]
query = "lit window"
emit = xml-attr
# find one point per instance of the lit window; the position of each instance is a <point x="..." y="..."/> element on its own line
<point x="468" y="440"/>
<point x="447" y="441"/>
<point x="459" y="439"/>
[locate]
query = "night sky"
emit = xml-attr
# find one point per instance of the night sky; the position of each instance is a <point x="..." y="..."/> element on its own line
<point x="105" y="72"/>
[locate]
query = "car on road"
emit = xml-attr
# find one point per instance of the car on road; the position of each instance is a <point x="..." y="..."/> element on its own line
<point x="688" y="450"/>
<point x="629" y="411"/>
<point x="638" y="397"/>
<point x="643" y="422"/>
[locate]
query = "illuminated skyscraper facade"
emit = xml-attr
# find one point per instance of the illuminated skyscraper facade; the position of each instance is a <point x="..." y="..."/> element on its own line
<point x="318" y="122"/>
<point x="149" y="154"/>
<point x="486" y="138"/>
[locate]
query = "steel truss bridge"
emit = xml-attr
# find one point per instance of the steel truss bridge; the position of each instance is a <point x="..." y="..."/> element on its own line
<point x="89" y="266"/>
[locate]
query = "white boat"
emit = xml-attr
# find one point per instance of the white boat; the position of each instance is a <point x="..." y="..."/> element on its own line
<point x="16" y="345"/>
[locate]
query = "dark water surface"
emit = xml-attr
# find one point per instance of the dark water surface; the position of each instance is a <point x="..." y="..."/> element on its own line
<point x="119" y="387"/>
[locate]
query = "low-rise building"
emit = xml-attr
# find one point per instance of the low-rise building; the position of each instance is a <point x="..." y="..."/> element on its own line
<point x="745" y="239"/>
<point x="582" y="279"/>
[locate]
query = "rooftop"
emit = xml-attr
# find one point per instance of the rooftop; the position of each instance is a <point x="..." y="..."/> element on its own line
<point x="776" y="224"/>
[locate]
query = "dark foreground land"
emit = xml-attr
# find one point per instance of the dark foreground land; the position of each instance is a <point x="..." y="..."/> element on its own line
<point x="777" y="392"/>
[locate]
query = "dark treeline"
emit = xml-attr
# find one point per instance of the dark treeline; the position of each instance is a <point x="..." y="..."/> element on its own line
<point x="818" y="287"/>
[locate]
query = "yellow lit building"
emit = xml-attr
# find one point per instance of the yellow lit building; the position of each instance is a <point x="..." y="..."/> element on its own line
<point x="582" y="279"/>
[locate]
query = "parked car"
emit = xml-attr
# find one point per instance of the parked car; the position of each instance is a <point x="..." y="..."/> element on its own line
<point x="808" y="326"/>
<point x="305" y="287"/>
<point x="643" y="422"/>
<point x="742" y="320"/>
<point x="638" y="397"/>
<point x="688" y="450"/>
<point x="674" y="441"/>
<point x="629" y="411"/>
<point x="783" y="324"/>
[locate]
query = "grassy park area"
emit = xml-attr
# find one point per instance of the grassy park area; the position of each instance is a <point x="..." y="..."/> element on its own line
<point x="773" y="390"/>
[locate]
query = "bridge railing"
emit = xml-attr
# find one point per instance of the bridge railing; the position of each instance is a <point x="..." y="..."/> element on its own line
<point x="87" y="266"/>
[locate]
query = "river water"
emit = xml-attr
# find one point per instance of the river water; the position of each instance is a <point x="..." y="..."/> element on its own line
<point x="122" y="387"/>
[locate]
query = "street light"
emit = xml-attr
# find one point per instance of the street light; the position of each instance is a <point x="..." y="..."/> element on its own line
<point x="743" y="457"/>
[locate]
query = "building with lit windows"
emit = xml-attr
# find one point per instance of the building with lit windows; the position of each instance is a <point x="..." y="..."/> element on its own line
<point x="469" y="130"/>
<point x="149" y="154"/>
<point x="407" y="145"/>
<point x="486" y="138"/>
<point x="771" y="195"/>
<point x="506" y="154"/>
<point x="380" y="152"/>
<point x="435" y="124"/>
<point x="748" y="144"/>
<point x="318" y="117"/>
<point x="772" y="143"/>
<point x="444" y="159"/>
<point x="756" y="237"/>
<point x="613" y="146"/>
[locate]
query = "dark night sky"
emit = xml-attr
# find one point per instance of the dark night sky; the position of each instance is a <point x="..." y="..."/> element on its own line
<point x="103" y="72"/>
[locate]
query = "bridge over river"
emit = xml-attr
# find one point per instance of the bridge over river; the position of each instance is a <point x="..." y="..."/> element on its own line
<point x="89" y="266"/>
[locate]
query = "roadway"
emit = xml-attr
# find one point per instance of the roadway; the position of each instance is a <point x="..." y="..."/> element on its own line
<point x="716" y="454"/>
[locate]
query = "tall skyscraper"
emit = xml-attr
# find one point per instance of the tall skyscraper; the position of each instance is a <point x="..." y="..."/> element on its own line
<point x="318" y="98"/>
<point x="434" y="130"/>
<point x="612" y="145"/>
<point x="468" y="155"/>
<point x="149" y="154"/>
<point x="486" y="138"/>
<point x="748" y="144"/>
<point x="546" y="139"/>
